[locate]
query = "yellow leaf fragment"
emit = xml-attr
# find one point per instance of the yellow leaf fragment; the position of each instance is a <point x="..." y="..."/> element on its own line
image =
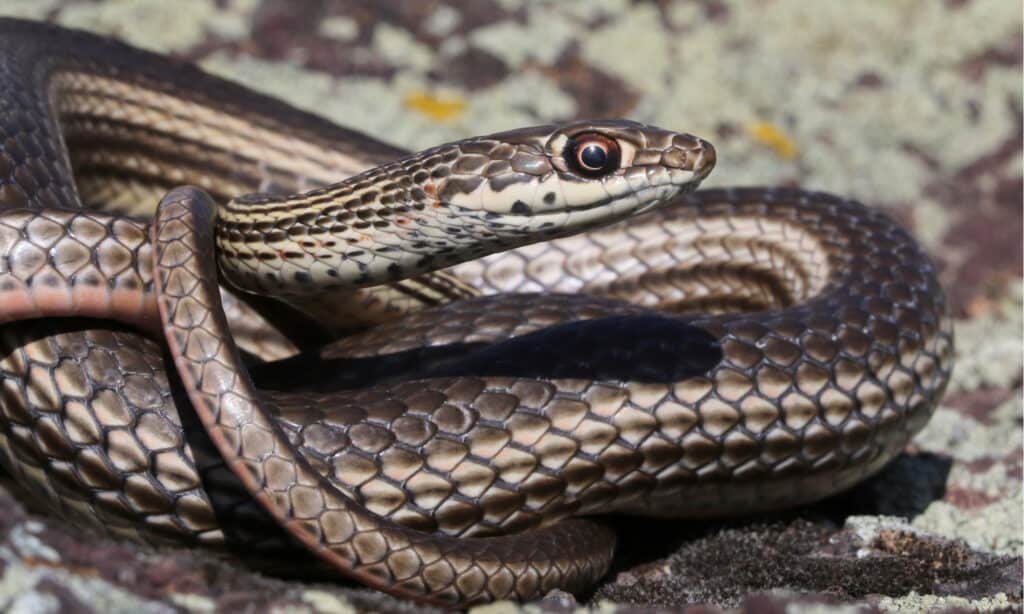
<point x="441" y="109"/>
<point x="767" y="134"/>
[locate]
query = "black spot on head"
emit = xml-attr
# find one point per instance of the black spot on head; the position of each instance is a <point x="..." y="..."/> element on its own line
<point x="520" y="208"/>
<point x="549" y="198"/>
<point x="303" y="277"/>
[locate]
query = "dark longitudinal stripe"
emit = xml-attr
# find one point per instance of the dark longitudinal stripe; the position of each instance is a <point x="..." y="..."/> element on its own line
<point x="409" y="289"/>
<point x="436" y="282"/>
<point x="262" y="112"/>
<point x="126" y="138"/>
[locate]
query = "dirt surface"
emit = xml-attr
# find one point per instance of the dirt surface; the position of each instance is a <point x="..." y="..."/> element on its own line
<point x="911" y="106"/>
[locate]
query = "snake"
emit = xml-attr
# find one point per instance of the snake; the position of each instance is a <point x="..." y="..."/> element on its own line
<point x="231" y="324"/>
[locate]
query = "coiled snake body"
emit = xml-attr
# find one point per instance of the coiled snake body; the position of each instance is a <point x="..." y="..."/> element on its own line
<point x="727" y="352"/>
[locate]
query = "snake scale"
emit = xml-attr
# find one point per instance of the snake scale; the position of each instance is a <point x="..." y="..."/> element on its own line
<point x="721" y="352"/>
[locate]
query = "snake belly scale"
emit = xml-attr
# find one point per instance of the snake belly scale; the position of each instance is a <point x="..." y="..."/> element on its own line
<point x="721" y="352"/>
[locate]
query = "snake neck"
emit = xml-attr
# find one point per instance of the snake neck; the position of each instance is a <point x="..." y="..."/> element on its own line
<point x="340" y="237"/>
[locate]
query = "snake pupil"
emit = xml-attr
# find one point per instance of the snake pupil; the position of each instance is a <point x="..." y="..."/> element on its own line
<point x="593" y="157"/>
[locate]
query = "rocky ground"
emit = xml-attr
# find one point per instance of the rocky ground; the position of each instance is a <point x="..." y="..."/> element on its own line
<point x="913" y="106"/>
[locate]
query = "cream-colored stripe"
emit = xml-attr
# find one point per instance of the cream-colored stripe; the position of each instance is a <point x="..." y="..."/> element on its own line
<point x="108" y="97"/>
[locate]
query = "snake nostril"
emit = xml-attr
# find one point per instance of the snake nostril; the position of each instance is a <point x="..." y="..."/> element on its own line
<point x="675" y="157"/>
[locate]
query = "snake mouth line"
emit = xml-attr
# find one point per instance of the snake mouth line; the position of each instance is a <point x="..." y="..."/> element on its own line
<point x="641" y="204"/>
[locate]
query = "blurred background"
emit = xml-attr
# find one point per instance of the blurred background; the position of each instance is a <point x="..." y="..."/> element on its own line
<point x="913" y="106"/>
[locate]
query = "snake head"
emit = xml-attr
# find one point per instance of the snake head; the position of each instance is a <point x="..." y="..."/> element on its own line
<point x="556" y="180"/>
<point x="457" y="202"/>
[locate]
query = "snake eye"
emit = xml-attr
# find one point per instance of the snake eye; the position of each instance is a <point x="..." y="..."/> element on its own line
<point x="592" y="154"/>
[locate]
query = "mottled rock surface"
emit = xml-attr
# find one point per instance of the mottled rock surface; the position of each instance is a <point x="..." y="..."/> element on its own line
<point x="911" y="106"/>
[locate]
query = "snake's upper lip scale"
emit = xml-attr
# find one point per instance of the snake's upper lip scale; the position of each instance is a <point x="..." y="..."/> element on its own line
<point x="706" y="160"/>
<point x="699" y="159"/>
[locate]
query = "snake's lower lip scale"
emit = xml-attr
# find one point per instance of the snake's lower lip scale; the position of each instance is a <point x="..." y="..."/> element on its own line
<point x="817" y="364"/>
